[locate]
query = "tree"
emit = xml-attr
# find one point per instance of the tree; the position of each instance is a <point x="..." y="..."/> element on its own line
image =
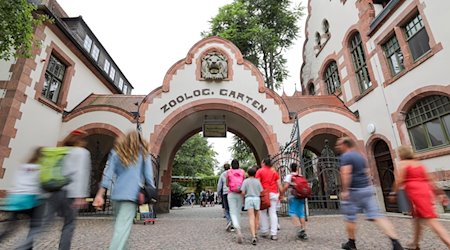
<point x="242" y="152"/>
<point x="194" y="158"/>
<point x="17" y="24"/>
<point x="263" y="30"/>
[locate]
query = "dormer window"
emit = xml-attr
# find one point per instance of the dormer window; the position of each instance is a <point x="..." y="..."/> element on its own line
<point x="95" y="52"/>
<point x="120" y="83"/>
<point x="106" y="66"/>
<point x="87" y="43"/>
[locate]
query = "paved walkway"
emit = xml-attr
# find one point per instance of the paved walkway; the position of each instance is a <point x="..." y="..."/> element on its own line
<point x="204" y="228"/>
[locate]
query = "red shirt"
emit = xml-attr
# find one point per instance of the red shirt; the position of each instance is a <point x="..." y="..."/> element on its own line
<point x="269" y="178"/>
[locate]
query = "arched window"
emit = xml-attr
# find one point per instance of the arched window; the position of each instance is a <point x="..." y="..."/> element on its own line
<point x="359" y="63"/>
<point x="325" y="26"/>
<point x="318" y="38"/>
<point x="331" y="78"/>
<point x="311" y="89"/>
<point x="428" y="122"/>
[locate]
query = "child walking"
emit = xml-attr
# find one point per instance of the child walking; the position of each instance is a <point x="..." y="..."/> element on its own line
<point x="251" y="189"/>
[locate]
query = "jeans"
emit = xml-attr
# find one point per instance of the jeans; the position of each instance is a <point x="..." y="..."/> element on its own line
<point x="226" y="207"/>
<point x="235" y="203"/>
<point x="124" y="215"/>
<point x="272" y="216"/>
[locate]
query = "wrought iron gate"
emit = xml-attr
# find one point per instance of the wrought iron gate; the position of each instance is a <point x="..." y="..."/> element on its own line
<point x="322" y="172"/>
<point x="108" y="208"/>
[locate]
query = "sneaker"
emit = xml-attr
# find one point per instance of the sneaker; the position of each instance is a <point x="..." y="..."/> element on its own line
<point x="229" y="226"/>
<point x="396" y="245"/>
<point x="273" y="237"/>
<point x="302" y="235"/>
<point x="264" y="235"/>
<point x="348" y="246"/>
<point x="232" y="229"/>
<point x="254" y="240"/>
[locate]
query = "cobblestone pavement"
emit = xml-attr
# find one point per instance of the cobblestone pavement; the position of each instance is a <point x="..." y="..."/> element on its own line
<point x="204" y="228"/>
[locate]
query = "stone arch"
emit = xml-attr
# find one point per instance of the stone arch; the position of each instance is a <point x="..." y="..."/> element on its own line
<point x="326" y="128"/>
<point x="370" y="144"/>
<point x="95" y="108"/>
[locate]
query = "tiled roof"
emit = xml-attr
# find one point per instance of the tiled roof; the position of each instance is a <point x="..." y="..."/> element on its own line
<point x="299" y="103"/>
<point x="125" y="102"/>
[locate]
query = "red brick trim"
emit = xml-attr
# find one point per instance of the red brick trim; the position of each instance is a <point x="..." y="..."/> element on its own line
<point x="325" y="128"/>
<point x="198" y="71"/>
<point x="95" y="108"/>
<point x="15" y="96"/>
<point x="341" y="111"/>
<point x="161" y="130"/>
<point x="97" y="128"/>
<point x="61" y="103"/>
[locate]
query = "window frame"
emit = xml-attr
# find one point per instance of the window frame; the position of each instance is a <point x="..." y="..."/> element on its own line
<point x="54" y="76"/>
<point x="389" y="53"/>
<point x="358" y="54"/>
<point x="330" y="75"/>
<point x="410" y="37"/>
<point x="424" y="111"/>
<point x="87" y="43"/>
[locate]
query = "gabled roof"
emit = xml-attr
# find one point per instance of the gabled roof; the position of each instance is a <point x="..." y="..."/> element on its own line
<point x="301" y="103"/>
<point x="124" y="102"/>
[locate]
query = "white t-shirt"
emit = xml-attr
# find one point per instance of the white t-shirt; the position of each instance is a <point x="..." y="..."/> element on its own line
<point x="27" y="180"/>
<point x="288" y="179"/>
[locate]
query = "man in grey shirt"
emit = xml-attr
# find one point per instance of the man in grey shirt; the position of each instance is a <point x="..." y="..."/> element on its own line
<point x="222" y="190"/>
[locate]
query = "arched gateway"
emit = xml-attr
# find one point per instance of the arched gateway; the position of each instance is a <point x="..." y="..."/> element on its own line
<point x="215" y="90"/>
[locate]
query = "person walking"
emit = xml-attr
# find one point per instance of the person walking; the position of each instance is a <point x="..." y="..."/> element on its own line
<point x="24" y="197"/>
<point x="296" y="205"/>
<point x="270" y="179"/>
<point x="192" y="199"/>
<point x="251" y="190"/>
<point x="235" y="178"/>
<point x="130" y="164"/>
<point x="358" y="194"/>
<point x="421" y="190"/>
<point x="222" y="190"/>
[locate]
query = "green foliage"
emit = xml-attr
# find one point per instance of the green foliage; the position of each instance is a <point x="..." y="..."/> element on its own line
<point x="194" y="158"/>
<point x="242" y="152"/>
<point x="17" y="24"/>
<point x="177" y="195"/>
<point x="263" y="30"/>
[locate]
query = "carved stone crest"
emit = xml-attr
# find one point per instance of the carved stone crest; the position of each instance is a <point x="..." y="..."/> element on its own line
<point x="214" y="66"/>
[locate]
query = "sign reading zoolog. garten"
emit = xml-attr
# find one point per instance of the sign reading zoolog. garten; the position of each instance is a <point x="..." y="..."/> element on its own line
<point x="208" y="92"/>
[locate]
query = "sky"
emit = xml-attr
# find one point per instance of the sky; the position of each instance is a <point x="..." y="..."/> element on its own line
<point x="145" y="38"/>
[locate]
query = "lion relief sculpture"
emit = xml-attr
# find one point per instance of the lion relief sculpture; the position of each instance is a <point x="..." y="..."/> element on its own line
<point x="214" y="66"/>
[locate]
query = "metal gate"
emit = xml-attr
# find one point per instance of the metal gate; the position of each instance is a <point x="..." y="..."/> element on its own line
<point x="108" y="208"/>
<point x="322" y="172"/>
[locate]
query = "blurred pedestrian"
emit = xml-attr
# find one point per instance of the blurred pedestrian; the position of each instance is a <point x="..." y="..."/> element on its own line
<point x="421" y="190"/>
<point x="222" y="190"/>
<point x="129" y="164"/>
<point x="270" y="180"/>
<point x="251" y="190"/>
<point x="357" y="193"/>
<point x="24" y="197"/>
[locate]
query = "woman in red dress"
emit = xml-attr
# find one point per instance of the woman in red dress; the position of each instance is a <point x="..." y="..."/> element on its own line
<point x="421" y="191"/>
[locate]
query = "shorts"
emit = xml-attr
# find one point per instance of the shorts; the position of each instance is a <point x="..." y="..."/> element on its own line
<point x="252" y="202"/>
<point x="296" y="207"/>
<point x="361" y="199"/>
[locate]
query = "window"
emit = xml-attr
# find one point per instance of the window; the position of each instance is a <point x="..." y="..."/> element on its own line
<point x="311" y="89"/>
<point x="120" y="83"/>
<point x="106" y="66"/>
<point x="359" y="63"/>
<point x="325" y="26"/>
<point x="112" y="73"/>
<point x="94" y="53"/>
<point x="332" y="78"/>
<point x="318" y="38"/>
<point x="54" y="76"/>
<point x="417" y="37"/>
<point x="125" y="89"/>
<point x="394" y="55"/>
<point x="428" y="122"/>
<point x="87" y="43"/>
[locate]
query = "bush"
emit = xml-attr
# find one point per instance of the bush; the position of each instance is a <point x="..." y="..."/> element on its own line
<point x="177" y="195"/>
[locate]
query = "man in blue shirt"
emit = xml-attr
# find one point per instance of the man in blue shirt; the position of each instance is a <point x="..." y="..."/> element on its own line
<point x="358" y="193"/>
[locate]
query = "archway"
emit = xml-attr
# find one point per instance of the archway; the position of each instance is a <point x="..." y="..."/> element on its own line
<point x="385" y="169"/>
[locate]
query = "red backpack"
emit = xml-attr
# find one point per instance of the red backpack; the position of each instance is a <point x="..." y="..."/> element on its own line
<point x="300" y="187"/>
<point x="235" y="178"/>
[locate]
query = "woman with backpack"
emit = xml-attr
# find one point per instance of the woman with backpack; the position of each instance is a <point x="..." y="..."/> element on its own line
<point x="129" y="162"/>
<point x="235" y="177"/>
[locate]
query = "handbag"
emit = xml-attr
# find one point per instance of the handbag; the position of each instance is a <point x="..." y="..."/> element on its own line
<point x="403" y="202"/>
<point x="265" y="199"/>
<point x="147" y="193"/>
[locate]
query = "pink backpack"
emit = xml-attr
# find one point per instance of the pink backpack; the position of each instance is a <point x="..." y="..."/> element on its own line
<point x="235" y="178"/>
